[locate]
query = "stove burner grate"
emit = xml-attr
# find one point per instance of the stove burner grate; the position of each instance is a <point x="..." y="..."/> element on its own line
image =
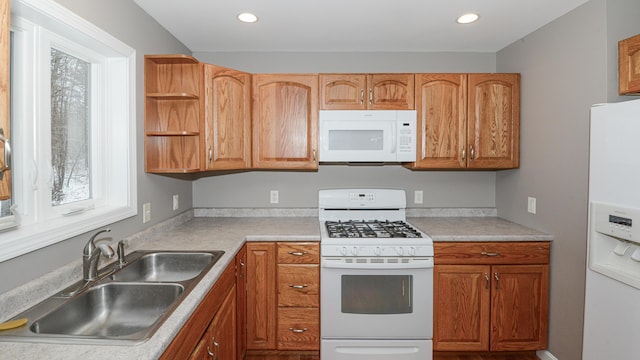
<point x="371" y="229"/>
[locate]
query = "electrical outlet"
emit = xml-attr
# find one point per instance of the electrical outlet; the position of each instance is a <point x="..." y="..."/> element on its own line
<point x="176" y="203"/>
<point x="274" y="197"/>
<point x="417" y="197"/>
<point x="146" y="212"/>
<point x="531" y="204"/>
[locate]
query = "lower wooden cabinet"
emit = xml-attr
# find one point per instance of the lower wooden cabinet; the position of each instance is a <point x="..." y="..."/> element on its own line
<point x="211" y="331"/>
<point x="491" y="296"/>
<point x="219" y="341"/>
<point x="283" y="296"/>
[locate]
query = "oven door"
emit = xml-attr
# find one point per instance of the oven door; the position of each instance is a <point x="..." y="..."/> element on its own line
<point x="376" y="299"/>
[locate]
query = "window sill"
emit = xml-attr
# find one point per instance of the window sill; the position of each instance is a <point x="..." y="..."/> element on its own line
<point x="26" y="238"/>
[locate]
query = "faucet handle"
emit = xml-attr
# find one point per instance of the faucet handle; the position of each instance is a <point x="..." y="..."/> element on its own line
<point x="106" y="250"/>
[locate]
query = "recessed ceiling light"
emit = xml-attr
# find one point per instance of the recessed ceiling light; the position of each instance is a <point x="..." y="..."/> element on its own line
<point x="467" y="18"/>
<point x="247" y="17"/>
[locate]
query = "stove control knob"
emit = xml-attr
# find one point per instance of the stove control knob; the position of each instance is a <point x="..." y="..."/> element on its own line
<point x="412" y="251"/>
<point x="400" y="250"/>
<point x="343" y="251"/>
<point x="377" y="251"/>
<point x="354" y="251"/>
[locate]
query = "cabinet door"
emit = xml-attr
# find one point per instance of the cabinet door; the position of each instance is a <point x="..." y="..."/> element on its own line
<point x="519" y="307"/>
<point x="629" y="66"/>
<point x="261" y="296"/>
<point x="441" y="104"/>
<point x="241" y="298"/>
<point x="461" y="307"/>
<point x="343" y="92"/>
<point x="223" y="329"/>
<point x="285" y="121"/>
<point x="391" y="92"/>
<point x="227" y="113"/>
<point x="494" y="121"/>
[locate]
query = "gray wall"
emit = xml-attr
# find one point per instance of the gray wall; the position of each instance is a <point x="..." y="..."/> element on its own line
<point x="299" y="189"/>
<point x="127" y="22"/>
<point x="566" y="66"/>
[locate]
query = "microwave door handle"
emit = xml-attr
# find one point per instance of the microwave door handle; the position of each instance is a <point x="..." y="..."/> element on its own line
<point x="394" y="138"/>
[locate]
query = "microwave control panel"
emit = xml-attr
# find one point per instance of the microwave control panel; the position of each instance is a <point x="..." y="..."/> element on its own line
<point x="406" y="137"/>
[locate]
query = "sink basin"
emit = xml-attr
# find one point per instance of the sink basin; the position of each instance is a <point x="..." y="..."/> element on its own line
<point x="165" y="267"/>
<point x="118" y="310"/>
<point x="124" y="306"/>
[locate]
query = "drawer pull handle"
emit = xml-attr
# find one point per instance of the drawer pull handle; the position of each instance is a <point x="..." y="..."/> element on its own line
<point x="298" y="286"/>
<point x="490" y="253"/>
<point x="298" y="330"/>
<point x="298" y="253"/>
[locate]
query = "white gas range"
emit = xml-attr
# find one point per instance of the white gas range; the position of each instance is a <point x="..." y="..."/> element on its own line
<point x="376" y="278"/>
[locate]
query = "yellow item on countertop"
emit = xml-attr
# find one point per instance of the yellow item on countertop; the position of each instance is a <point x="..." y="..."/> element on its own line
<point x="13" y="324"/>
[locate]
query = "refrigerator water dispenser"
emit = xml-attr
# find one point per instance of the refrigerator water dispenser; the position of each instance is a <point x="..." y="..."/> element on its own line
<point x="614" y="242"/>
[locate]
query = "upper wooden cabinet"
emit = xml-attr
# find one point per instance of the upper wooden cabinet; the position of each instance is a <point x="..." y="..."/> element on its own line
<point x="493" y="132"/>
<point x="227" y="114"/>
<point x="172" y="108"/>
<point x="629" y="66"/>
<point x="467" y="121"/>
<point x="285" y="121"/>
<point x="362" y="91"/>
<point x="5" y="120"/>
<point x="441" y="101"/>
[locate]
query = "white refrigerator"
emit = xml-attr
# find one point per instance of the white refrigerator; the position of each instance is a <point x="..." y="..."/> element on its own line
<point x="612" y="294"/>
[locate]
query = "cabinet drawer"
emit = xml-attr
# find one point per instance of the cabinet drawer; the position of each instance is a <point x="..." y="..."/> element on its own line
<point x="492" y="252"/>
<point x="298" y="253"/>
<point x="298" y="329"/>
<point x="298" y="285"/>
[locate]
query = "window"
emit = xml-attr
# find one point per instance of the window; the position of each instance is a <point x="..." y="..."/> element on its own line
<point x="72" y="129"/>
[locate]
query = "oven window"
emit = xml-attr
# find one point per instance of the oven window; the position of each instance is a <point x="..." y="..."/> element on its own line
<point x="377" y="294"/>
<point x="356" y="140"/>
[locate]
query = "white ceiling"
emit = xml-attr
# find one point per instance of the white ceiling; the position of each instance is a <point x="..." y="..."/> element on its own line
<point x="353" y="25"/>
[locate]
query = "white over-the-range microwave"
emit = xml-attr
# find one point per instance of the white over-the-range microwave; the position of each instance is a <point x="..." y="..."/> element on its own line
<point x="367" y="135"/>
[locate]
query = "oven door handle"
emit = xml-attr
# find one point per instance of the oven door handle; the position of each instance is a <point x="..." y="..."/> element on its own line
<point x="340" y="264"/>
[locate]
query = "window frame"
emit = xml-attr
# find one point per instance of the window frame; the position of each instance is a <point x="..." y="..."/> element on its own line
<point x="114" y="167"/>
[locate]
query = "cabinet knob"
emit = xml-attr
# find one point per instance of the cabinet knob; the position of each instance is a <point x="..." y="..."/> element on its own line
<point x="495" y="276"/>
<point x="472" y="152"/>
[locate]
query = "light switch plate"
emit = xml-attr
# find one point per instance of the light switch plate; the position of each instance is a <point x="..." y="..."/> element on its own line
<point x="531" y="204"/>
<point x="146" y="212"/>
<point x="417" y="197"/>
<point x="176" y="203"/>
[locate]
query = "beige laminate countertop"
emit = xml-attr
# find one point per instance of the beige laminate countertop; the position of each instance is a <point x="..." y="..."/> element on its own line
<point x="216" y="233"/>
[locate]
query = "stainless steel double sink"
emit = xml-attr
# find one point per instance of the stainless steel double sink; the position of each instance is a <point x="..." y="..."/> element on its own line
<point x="124" y="306"/>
